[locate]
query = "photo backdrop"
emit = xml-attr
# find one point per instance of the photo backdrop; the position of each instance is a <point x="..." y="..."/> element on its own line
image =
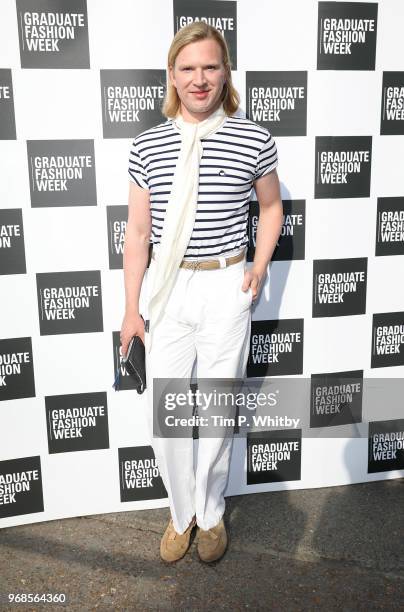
<point x="79" y="80"/>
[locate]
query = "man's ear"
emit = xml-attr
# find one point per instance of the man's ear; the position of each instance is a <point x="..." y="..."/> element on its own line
<point x="171" y="74"/>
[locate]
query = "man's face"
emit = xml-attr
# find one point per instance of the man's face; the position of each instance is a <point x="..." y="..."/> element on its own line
<point x="199" y="76"/>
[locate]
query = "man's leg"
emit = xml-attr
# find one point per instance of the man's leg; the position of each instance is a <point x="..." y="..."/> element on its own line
<point x="172" y="356"/>
<point x="222" y="345"/>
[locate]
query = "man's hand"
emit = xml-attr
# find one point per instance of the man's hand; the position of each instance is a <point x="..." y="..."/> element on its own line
<point x="252" y="279"/>
<point x="132" y="325"/>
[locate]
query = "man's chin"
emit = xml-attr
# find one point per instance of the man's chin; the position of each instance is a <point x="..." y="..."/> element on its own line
<point x="203" y="107"/>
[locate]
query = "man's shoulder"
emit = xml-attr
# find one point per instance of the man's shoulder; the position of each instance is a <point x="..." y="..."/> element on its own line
<point x="157" y="131"/>
<point x="248" y="127"/>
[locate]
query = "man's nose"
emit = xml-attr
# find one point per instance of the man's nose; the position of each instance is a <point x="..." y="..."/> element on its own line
<point x="199" y="77"/>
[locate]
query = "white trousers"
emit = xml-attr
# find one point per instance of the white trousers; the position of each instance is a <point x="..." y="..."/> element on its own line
<point x="207" y="318"/>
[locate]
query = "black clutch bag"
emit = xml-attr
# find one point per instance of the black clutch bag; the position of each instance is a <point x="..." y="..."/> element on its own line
<point x="135" y="365"/>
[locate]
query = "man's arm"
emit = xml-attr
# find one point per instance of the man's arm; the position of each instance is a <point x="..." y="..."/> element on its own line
<point x="135" y="257"/>
<point x="268" y="229"/>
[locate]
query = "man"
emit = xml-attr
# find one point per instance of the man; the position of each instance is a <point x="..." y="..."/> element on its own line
<point x="191" y="181"/>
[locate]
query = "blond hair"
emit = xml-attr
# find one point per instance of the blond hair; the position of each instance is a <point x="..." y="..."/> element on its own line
<point x="198" y="30"/>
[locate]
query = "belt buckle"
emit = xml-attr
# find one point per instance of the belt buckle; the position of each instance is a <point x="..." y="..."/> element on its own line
<point x="195" y="264"/>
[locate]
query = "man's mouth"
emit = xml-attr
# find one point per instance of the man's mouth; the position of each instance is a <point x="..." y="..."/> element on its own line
<point x="200" y="94"/>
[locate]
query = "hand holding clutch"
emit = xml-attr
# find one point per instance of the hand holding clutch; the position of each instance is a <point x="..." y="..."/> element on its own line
<point x="135" y="364"/>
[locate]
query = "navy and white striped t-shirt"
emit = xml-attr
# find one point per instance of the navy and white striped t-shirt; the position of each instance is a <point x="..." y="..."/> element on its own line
<point x="233" y="157"/>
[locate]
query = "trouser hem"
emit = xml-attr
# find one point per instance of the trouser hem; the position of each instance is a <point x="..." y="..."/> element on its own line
<point x="206" y="525"/>
<point x="186" y="523"/>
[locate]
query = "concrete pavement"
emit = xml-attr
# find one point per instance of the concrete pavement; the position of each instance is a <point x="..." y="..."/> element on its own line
<point x="336" y="548"/>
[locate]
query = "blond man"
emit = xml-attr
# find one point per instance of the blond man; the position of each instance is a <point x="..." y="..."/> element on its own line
<point x="191" y="179"/>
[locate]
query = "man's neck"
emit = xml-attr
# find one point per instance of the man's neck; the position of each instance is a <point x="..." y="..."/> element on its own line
<point x="197" y="117"/>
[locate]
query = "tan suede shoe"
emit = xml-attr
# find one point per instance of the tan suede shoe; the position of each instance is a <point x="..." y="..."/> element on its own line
<point x="212" y="543"/>
<point x="174" y="545"/>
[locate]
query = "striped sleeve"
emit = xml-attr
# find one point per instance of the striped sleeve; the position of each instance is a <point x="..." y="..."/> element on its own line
<point x="137" y="172"/>
<point x="267" y="158"/>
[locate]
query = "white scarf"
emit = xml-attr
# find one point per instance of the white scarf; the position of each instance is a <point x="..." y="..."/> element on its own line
<point x="180" y="212"/>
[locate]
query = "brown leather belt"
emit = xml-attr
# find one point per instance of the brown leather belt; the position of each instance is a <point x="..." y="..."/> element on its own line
<point x="208" y="264"/>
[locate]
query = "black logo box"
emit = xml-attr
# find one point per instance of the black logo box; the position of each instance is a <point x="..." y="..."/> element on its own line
<point x="69" y="50"/>
<point x="288" y="363"/>
<point x="354" y="302"/>
<point x="93" y="436"/>
<point x="392" y="118"/>
<point x="142" y="481"/>
<point x="358" y="183"/>
<point x="22" y="501"/>
<point x="116" y="224"/>
<point x="386" y="230"/>
<point x="385" y="358"/>
<point x="362" y="55"/>
<point x="219" y="12"/>
<point x="7" y="115"/>
<point x="80" y="190"/>
<point x="12" y="260"/>
<point x="289" y="247"/>
<point x="72" y="319"/>
<point x="17" y="380"/>
<point x="116" y="125"/>
<point x="291" y="122"/>
<point x="285" y="467"/>
<point x="345" y="412"/>
<point x="387" y="454"/>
